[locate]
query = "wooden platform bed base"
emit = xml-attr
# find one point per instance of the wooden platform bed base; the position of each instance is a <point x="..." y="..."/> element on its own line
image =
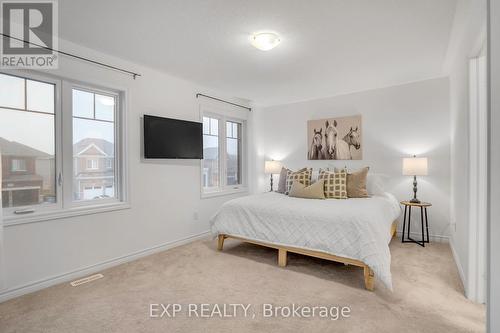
<point x="283" y="250"/>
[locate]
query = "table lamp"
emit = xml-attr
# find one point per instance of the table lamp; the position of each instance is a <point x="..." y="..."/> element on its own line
<point x="415" y="166"/>
<point x="272" y="167"/>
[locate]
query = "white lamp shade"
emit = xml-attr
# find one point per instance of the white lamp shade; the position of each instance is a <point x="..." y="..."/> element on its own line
<point x="273" y="167"/>
<point x="415" y="166"/>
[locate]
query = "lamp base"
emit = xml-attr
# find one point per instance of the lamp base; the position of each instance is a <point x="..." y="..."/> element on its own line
<point x="414" y="199"/>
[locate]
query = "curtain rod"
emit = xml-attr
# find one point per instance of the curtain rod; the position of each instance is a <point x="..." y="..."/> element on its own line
<point x="133" y="74"/>
<point x="221" y="100"/>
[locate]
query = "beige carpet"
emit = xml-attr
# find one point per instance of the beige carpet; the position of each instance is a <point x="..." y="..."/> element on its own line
<point x="427" y="294"/>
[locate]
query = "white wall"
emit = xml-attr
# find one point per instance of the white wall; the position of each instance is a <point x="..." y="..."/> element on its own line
<point x="2" y="271"/>
<point x="494" y="154"/>
<point x="397" y="122"/>
<point x="164" y="195"/>
<point x="466" y="41"/>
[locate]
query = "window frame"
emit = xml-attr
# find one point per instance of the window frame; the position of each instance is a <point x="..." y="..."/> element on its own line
<point x="92" y="160"/>
<point x="9" y="213"/>
<point x="219" y="142"/>
<point x="240" y="150"/>
<point x="223" y="188"/>
<point x="17" y="168"/>
<point x="65" y="206"/>
<point x="68" y="190"/>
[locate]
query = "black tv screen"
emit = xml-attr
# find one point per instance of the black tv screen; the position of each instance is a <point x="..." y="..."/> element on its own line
<point x="172" y="138"/>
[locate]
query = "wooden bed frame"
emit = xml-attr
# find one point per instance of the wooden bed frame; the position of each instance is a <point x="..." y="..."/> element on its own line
<point x="282" y="255"/>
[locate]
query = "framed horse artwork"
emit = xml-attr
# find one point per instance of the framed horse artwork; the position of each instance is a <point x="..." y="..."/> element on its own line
<point x="337" y="138"/>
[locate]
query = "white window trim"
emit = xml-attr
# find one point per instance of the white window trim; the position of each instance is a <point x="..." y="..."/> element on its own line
<point x="65" y="206"/>
<point x="92" y="167"/>
<point x="17" y="169"/>
<point x="223" y="188"/>
<point x="8" y="213"/>
<point x="67" y="91"/>
<point x="41" y="216"/>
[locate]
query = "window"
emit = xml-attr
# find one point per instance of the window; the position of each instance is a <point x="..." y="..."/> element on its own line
<point x="91" y="164"/>
<point x="211" y="170"/>
<point x="222" y="154"/>
<point x="27" y="138"/>
<point x="18" y="165"/>
<point x="93" y="140"/>
<point x="67" y="162"/>
<point x="233" y="153"/>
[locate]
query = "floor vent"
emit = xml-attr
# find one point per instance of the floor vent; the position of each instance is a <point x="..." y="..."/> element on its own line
<point x="87" y="279"/>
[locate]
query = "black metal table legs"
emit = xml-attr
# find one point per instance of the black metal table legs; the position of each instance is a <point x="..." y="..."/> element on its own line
<point x="423" y="215"/>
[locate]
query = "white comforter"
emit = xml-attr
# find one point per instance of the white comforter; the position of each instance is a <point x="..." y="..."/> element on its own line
<point x="352" y="228"/>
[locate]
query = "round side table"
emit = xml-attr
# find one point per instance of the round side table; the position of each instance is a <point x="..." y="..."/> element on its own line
<point x="423" y="213"/>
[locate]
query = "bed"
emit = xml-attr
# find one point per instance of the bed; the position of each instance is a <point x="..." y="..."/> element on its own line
<point x="352" y="231"/>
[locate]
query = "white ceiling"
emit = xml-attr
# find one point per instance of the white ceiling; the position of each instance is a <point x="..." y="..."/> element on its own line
<point x="328" y="47"/>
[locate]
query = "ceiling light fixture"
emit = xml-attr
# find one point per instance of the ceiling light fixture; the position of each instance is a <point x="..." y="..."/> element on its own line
<point x="265" y="41"/>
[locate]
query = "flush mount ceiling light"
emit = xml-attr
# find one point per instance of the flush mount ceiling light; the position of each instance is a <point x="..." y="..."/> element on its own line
<point x="265" y="41"/>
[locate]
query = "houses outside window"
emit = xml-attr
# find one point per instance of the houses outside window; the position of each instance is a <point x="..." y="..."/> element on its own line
<point x="92" y="175"/>
<point x="223" y="154"/>
<point x="233" y="153"/>
<point x="211" y="172"/>
<point x="94" y="129"/>
<point x="28" y="155"/>
<point x="59" y="157"/>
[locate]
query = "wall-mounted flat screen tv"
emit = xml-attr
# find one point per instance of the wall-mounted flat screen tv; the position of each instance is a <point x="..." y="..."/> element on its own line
<point x="172" y="138"/>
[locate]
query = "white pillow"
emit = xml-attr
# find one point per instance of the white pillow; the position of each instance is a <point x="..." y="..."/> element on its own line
<point x="314" y="176"/>
<point x="375" y="183"/>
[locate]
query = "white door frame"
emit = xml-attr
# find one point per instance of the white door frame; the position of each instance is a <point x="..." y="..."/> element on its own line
<point x="478" y="175"/>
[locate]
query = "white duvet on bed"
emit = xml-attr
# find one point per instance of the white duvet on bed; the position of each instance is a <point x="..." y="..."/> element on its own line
<point x="352" y="228"/>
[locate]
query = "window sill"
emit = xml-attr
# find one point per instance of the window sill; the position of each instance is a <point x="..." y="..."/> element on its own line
<point x="219" y="193"/>
<point x="64" y="213"/>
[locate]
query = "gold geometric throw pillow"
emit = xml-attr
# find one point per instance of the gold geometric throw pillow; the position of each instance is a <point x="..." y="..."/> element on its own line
<point x="335" y="183"/>
<point x="314" y="191"/>
<point x="302" y="176"/>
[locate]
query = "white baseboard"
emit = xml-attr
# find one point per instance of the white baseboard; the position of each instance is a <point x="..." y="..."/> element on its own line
<point x="68" y="276"/>
<point x="458" y="264"/>
<point x="432" y="238"/>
